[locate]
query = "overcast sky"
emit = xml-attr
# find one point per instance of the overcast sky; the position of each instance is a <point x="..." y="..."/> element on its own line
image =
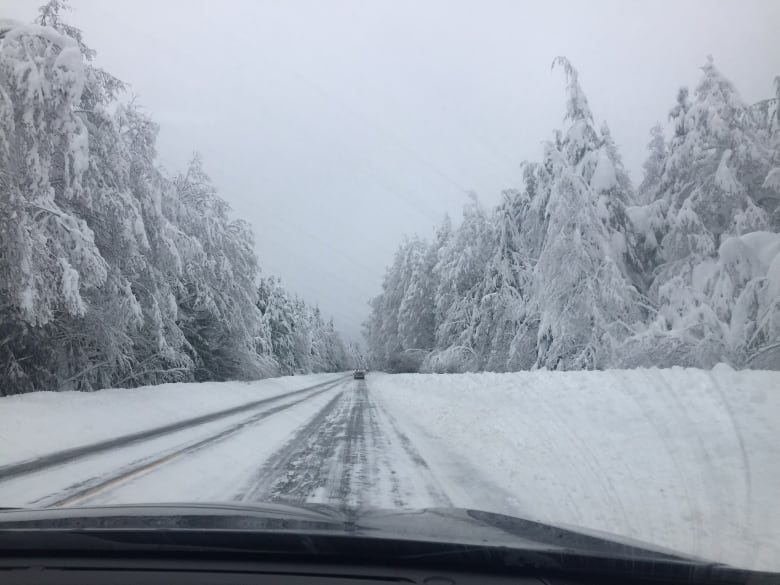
<point x="337" y="127"/>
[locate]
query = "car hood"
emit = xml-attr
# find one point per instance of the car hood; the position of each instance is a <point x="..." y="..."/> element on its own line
<point x="440" y="525"/>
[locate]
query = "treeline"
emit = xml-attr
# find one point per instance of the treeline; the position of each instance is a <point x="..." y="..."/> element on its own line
<point x="301" y="341"/>
<point x="576" y="269"/>
<point x="113" y="273"/>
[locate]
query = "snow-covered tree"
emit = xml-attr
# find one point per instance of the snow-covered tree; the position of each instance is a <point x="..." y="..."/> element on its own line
<point x="499" y="324"/>
<point x="712" y="187"/>
<point x="713" y="174"/>
<point x="49" y="258"/>
<point x="459" y="272"/>
<point x="583" y="282"/>
<point x="277" y="310"/>
<point x="766" y="116"/>
<point x="742" y="287"/>
<point x="653" y="165"/>
<point x="728" y="311"/>
<point x="400" y="331"/>
<point x="416" y="312"/>
<point x="575" y="271"/>
<point x="301" y="341"/>
<point x="356" y="358"/>
<point x="623" y="180"/>
<point x="218" y="297"/>
<point x="110" y="272"/>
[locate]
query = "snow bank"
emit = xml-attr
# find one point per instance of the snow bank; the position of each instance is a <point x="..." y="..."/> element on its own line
<point x="40" y="423"/>
<point x="684" y="458"/>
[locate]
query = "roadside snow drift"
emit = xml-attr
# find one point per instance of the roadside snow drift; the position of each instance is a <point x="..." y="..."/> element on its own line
<point x="684" y="458"/>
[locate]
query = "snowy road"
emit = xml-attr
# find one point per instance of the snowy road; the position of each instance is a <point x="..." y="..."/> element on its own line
<point x="351" y="453"/>
<point x="328" y="443"/>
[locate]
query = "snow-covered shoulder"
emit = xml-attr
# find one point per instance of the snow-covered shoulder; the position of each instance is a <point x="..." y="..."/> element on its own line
<point x="684" y="458"/>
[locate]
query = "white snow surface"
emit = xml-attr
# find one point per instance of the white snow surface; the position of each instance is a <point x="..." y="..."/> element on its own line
<point x="763" y="247"/>
<point x="683" y="458"/>
<point x="604" y="176"/>
<point x="646" y="219"/>
<point x="40" y="423"/>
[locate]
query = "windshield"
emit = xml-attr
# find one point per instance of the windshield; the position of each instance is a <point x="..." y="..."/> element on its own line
<point x="521" y="258"/>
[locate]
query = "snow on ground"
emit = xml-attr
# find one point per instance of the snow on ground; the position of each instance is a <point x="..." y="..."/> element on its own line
<point x="684" y="458"/>
<point x="40" y="423"/>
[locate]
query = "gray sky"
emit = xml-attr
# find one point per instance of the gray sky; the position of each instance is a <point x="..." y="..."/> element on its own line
<point x="337" y="127"/>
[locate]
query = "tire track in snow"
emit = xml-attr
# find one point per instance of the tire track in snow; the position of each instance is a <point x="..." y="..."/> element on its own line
<point x="297" y="469"/>
<point x="390" y="434"/>
<point x="350" y="455"/>
<point x="354" y="455"/>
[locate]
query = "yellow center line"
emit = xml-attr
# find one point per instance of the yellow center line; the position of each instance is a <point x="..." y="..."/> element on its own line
<point x="118" y="480"/>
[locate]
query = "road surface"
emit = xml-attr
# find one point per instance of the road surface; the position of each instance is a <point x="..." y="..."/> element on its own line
<point x="329" y="443"/>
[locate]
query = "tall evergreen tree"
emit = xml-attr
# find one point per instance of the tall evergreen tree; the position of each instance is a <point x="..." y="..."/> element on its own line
<point x="49" y="257"/>
<point x="582" y="285"/>
<point x="503" y="295"/>
<point x="653" y="165"/>
<point x="459" y="274"/>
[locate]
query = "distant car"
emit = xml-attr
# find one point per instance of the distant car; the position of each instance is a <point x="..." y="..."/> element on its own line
<point x="359" y="375"/>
